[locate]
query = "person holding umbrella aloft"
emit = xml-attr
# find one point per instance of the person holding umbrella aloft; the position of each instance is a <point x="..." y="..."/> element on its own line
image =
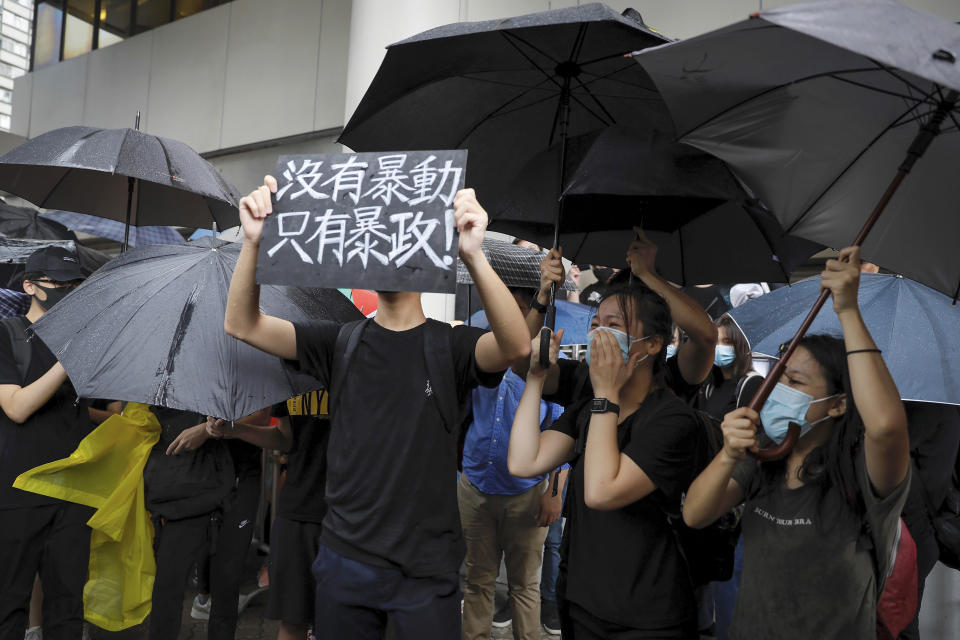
<point x="391" y="544"/>
<point x="808" y="572"/>
<point x="41" y="421"/>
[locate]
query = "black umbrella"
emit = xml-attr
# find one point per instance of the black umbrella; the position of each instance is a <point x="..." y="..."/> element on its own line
<point x="121" y="174"/>
<point x="148" y="327"/>
<point x="28" y="224"/>
<point x="708" y="229"/>
<point x="506" y="89"/>
<point x="815" y="106"/>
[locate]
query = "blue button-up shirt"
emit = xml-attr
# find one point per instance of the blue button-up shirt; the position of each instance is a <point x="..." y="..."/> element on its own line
<point x="488" y="439"/>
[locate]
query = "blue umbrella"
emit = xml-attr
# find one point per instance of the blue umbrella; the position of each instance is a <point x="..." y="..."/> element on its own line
<point x="917" y="328"/>
<point x="114" y="230"/>
<point x="572" y="317"/>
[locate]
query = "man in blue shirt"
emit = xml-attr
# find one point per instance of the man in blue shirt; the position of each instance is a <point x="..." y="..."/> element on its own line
<point x="502" y="514"/>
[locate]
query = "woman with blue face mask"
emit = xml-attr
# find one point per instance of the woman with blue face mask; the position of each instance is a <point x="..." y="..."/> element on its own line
<point x="632" y="449"/>
<point x="732" y="381"/>
<point x="819" y="525"/>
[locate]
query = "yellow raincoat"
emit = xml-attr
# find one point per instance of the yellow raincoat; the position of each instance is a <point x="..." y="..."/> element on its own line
<point x="106" y="472"/>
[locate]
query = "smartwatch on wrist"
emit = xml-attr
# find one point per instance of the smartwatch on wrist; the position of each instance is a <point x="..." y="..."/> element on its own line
<point x="536" y="306"/>
<point x="602" y="405"/>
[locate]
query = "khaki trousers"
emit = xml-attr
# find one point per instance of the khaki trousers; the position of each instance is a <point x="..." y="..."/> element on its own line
<point x="494" y="525"/>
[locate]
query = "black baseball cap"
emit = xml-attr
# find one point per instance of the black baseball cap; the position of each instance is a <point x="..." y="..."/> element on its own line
<point x="56" y="263"/>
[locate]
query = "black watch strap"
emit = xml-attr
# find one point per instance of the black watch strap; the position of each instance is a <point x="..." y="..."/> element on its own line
<point x="602" y="405"/>
<point x="536" y="306"/>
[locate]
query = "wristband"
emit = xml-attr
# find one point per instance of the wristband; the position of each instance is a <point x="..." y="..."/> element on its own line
<point x="864" y="351"/>
<point x="536" y="306"/>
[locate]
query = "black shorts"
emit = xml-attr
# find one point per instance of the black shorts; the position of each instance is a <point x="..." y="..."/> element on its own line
<point x="293" y="547"/>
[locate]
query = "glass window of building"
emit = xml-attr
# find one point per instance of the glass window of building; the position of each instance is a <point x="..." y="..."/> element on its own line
<point x="151" y="13"/>
<point x="46" y="43"/>
<point x="114" y="22"/>
<point x="69" y="28"/>
<point x="78" y="30"/>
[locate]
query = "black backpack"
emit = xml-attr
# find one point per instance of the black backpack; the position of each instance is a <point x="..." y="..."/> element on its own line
<point x="709" y="552"/>
<point x="16" y="328"/>
<point x="191" y="483"/>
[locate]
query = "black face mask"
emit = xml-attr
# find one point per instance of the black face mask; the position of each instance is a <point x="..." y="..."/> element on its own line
<point x="54" y="295"/>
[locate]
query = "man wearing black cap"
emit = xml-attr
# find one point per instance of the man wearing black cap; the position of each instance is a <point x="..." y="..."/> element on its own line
<point x="42" y="421"/>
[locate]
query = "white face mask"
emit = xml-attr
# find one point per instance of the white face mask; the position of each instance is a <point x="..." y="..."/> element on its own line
<point x="788" y="405"/>
<point x="624" y="339"/>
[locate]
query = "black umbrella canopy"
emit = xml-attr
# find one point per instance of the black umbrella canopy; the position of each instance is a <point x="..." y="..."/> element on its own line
<point x="87" y="170"/>
<point x="814" y="106"/>
<point x="27" y="224"/>
<point x="496" y="88"/>
<point x="617" y="178"/>
<point x="148" y="327"/>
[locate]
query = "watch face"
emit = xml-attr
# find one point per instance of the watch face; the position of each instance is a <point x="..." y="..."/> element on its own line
<point x="599" y="404"/>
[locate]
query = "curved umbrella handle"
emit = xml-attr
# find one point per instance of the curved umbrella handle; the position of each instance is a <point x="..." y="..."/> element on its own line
<point x="781" y="450"/>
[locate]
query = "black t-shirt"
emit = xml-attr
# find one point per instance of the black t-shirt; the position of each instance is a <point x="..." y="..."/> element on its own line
<point x="624" y="565"/>
<point x="302" y="496"/>
<point x="574" y="383"/>
<point x="391" y="461"/>
<point x="934" y="438"/>
<point x="51" y="433"/>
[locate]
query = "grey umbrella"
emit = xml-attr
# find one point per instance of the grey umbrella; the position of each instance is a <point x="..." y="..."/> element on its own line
<point x="148" y="327"/>
<point x="121" y="174"/>
<point x="815" y="107"/>
<point x="517" y="266"/>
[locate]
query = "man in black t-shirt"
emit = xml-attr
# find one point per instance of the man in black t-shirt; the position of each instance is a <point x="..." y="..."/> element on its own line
<point x="41" y="422"/>
<point x="391" y="543"/>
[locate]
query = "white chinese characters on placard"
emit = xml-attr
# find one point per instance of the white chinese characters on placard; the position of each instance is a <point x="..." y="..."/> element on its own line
<point x="372" y="220"/>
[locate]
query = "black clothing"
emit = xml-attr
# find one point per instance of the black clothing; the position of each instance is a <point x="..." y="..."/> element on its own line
<point x="293" y="548"/>
<point x="54" y="540"/>
<point x="51" y="433"/>
<point x="302" y="495"/>
<point x="391" y="490"/>
<point x="718" y="396"/>
<point x="580" y="624"/>
<point x="574" y="382"/>
<point x="624" y="566"/>
<point x="178" y="544"/>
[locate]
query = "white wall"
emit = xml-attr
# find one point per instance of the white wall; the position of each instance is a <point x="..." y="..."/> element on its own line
<point x="243" y="72"/>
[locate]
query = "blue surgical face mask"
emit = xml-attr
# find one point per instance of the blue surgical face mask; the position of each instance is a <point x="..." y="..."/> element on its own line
<point x="724" y="355"/>
<point x="624" y="339"/>
<point x="671" y="350"/>
<point x="786" y="405"/>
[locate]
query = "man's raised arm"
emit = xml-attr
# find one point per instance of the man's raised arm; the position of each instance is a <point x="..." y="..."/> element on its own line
<point x="243" y="319"/>
<point x="509" y="339"/>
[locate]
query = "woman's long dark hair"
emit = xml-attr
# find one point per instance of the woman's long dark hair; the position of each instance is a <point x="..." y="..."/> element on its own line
<point x="830" y="467"/>
<point x="638" y="302"/>
<point x="742" y="361"/>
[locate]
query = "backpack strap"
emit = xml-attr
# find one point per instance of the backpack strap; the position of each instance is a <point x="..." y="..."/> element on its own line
<point x="17" y="331"/>
<point x="347" y="340"/>
<point x="441" y="374"/>
<point x="740" y="385"/>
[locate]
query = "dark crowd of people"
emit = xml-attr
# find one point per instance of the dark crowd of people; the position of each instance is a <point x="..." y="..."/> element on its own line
<point x="619" y="493"/>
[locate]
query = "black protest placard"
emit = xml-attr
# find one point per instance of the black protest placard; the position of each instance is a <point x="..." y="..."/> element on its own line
<point x="381" y="221"/>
